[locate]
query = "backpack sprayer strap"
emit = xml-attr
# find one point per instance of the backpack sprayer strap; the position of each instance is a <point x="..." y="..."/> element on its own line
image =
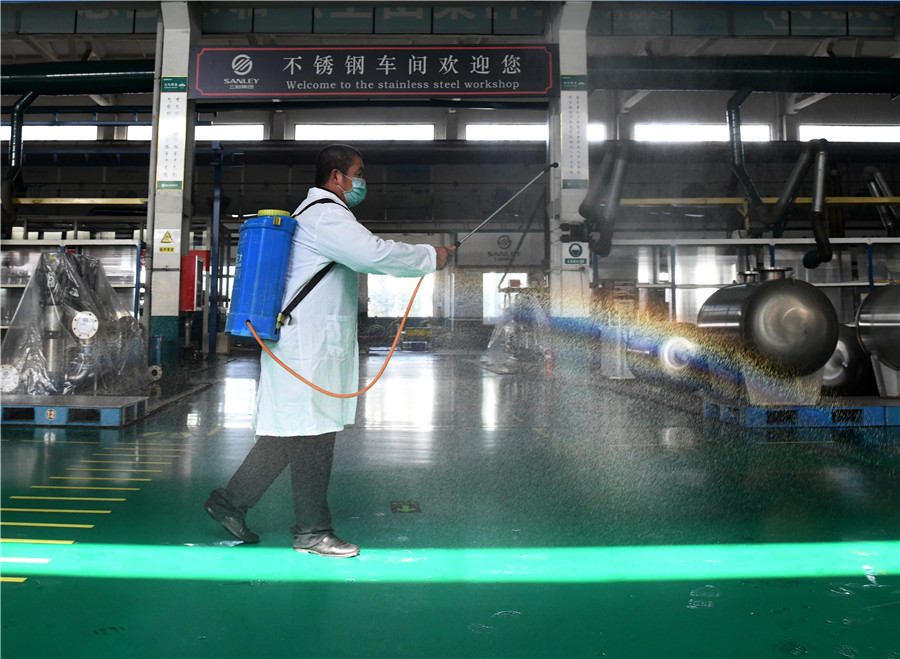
<point x="284" y="317"/>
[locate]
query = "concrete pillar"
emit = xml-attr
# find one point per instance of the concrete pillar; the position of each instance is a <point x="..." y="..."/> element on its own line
<point x="171" y="209"/>
<point x="570" y="273"/>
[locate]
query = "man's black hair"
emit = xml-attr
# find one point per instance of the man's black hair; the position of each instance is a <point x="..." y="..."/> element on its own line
<point x="335" y="156"/>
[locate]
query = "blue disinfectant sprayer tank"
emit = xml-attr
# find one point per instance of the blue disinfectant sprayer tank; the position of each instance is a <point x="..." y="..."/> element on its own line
<point x="262" y="257"/>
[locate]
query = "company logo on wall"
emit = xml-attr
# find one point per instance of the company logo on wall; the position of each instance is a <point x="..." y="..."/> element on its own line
<point x="504" y="242"/>
<point x="241" y="65"/>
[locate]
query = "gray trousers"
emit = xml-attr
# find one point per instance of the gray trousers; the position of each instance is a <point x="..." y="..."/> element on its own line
<point x="309" y="458"/>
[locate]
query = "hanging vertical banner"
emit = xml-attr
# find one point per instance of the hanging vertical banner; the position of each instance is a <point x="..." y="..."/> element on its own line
<point x="171" y="137"/>
<point x="389" y="71"/>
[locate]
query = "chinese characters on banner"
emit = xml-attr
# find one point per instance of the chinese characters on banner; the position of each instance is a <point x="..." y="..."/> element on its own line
<point x="374" y="72"/>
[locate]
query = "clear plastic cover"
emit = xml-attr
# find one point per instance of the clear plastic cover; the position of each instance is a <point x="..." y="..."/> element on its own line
<point x="71" y="334"/>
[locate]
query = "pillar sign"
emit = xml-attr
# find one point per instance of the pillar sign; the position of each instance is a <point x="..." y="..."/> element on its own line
<point x="573" y="124"/>
<point x="171" y="142"/>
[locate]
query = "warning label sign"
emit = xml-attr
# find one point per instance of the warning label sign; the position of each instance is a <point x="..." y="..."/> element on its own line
<point x="167" y="240"/>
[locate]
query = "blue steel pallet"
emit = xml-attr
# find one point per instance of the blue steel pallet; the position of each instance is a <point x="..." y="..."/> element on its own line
<point x="865" y="412"/>
<point x="97" y="411"/>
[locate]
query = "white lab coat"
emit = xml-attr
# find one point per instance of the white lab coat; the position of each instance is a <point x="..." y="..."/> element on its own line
<point x="320" y="341"/>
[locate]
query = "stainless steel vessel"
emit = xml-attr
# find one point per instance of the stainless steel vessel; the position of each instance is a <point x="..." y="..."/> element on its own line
<point x="785" y="326"/>
<point x="878" y="324"/>
<point x="878" y="330"/>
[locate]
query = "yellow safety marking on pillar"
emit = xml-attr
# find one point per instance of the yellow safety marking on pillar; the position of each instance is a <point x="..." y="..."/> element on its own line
<point x="13" y="579"/>
<point x="96" y="478"/>
<point x="148" y="471"/>
<point x="123" y="462"/>
<point x="38" y="561"/>
<point x="47" y="524"/>
<point x="51" y="510"/>
<point x="69" y="498"/>
<point x="29" y="541"/>
<point x="83" y="487"/>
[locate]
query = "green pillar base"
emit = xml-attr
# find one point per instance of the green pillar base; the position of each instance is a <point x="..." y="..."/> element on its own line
<point x="164" y="343"/>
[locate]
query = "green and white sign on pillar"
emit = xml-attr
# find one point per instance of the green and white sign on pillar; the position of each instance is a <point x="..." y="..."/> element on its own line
<point x="172" y="128"/>
<point x="575" y="253"/>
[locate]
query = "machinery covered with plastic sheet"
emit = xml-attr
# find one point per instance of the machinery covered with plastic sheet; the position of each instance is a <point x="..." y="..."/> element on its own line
<point x="71" y="334"/>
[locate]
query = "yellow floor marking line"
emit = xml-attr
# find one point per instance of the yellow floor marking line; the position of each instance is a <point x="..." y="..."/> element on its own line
<point x="96" y="478"/>
<point x="69" y="498"/>
<point x="123" y="462"/>
<point x="9" y="559"/>
<point x="30" y="541"/>
<point x="158" y="445"/>
<point x="83" y="487"/>
<point x="13" y="579"/>
<point x="132" y="455"/>
<point x="542" y="433"/>
<point x="148" y="471"/>
<point x="62" y="443"/>
<point x="52" y="510"/>
<point x="214" y="431"/>
<point x="47" y="524"/>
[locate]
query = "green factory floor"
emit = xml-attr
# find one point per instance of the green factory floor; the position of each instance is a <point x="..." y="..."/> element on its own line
<point x="498" y="516"/>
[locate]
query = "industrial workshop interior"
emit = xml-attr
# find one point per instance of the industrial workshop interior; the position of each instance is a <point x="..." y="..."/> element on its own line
<point x="649" y="409"/>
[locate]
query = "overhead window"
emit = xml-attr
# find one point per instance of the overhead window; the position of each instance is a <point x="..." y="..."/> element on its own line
<point x="508" y="132"/>
<point x="363" y="132"/>
<point x="52" y="133"/>
<point x="596" y="132"/>
<point x="216" y="132"/>
<point x="661" y="132"/>
<point x="389" y="296"/>
<point x="836" y="133"/>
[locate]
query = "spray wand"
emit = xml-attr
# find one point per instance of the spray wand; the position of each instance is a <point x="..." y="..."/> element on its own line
<point x="408" y="307"/>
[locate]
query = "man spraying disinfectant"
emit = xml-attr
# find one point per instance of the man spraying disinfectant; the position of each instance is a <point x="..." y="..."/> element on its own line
<point x="296" y="425"/>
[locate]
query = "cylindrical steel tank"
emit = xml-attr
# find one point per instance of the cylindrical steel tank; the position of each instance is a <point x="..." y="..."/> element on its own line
<point x="849" y="371"/>
<point x="878" y="324"/>
<point x="786" y="326"/>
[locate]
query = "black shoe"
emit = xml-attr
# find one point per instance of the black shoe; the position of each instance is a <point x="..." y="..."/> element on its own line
<point x="331" y="546"/>
<point x="233" y="524"/>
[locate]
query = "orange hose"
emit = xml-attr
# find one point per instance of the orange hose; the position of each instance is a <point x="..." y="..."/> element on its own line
<point x="331" y="393"/>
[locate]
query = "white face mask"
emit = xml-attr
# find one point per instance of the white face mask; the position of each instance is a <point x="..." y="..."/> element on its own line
<point x="357" y="193"/>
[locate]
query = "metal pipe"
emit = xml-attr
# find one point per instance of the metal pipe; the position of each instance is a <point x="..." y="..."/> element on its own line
<point x="733" y="117"/>
<point x="879" y="187"/>
<point x="100" y="77"/>
<point x="823" y="252"/>
<point x="214" y="254"/>
<point x="15" y="137"/>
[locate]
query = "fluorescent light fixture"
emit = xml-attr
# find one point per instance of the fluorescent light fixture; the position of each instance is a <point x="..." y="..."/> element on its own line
<point x="661" y="132"/>
<point x="860" y="133"/>
<point x="363" y="132"/>
<point x="507" y="132"/>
